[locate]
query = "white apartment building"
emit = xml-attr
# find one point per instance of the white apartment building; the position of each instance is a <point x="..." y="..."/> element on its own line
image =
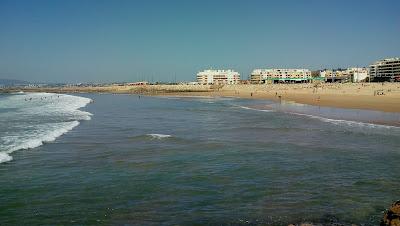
<point x="385" y="70"/>
<point x="280" y="75"/>
<point x="209" y="77"/>
<point x="358" y="74"/>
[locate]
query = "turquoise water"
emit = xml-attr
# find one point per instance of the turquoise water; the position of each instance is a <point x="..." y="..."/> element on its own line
<point x="199" y="161"/>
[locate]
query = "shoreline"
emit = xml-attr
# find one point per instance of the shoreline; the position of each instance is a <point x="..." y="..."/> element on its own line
<point x="366" y="96"/>
<point x="387" y="104"/>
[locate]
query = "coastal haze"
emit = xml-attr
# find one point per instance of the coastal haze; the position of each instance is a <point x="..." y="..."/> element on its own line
<point x="199" y="113"/>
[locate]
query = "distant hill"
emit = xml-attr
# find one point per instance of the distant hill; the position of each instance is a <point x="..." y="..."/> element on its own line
<point x="12" y="82"/>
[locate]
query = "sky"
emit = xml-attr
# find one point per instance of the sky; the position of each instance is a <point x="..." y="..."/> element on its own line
<point x="116" y="40"/>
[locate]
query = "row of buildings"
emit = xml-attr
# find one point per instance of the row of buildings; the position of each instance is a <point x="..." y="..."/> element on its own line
<point x="380" y="71"/>
<point x="280" y="75"/>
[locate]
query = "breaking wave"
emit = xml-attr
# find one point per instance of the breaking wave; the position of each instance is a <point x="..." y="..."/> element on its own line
<point x="253" y="109"/>
<point x="158" y="136"/>
<point x="338" y="122"/>
<point x="347" y="122"/>
<point x="37" y="118"/>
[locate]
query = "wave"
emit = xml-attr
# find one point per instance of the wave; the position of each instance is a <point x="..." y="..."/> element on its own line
<point x="38" y="118"/>
<point x="340" y="122"/>
<point x="5" y="157"/>
<point x="253" y="109"/>
<point x="29" y="142"/>
<point x="158" y="136"/>
<point x="346" y="122"/>
<point x="19" y="92"/>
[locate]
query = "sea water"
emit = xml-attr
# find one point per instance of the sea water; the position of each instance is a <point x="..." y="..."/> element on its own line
<point x="192" y="161"/>
<point x="28" y="120"/>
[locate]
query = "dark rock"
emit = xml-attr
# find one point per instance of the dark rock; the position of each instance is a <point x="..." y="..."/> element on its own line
<point x="392" y="215"/>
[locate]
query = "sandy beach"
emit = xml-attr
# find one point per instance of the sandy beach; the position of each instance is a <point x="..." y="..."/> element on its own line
<point x="371" y="96"/>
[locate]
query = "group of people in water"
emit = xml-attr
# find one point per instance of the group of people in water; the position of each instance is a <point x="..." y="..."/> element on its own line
<point x="42" y="98"/>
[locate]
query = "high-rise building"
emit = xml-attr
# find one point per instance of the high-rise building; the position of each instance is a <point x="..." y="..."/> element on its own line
<point x="385" y="70"/>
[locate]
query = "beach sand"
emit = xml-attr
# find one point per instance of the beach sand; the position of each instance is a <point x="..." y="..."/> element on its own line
<point x="371" y="96"/>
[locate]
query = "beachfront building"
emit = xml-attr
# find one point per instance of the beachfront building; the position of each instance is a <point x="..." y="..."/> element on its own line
<point x="336" y="75"/>
<point x="259" y="76"/>
<point x="354" y="74"/>
<point x="142" y="83"/>
<point x="218" y="77"/>
<point x="385" y="70"/>
<point x="358" y="74"/>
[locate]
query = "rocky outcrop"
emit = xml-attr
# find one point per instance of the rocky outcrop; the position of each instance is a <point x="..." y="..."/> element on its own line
<point x="392" y="215"/>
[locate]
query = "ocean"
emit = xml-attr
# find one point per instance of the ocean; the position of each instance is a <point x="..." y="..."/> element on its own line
<point x="103" y="159"/>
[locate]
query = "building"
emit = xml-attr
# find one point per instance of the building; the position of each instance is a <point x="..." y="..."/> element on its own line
<point x="315" y="74"/>
<point x="354" y="74"/>
<point x="336" y="75"/>
<point x="385" y="70"/>
<point x="210" y="77"/>
<point x="142" y="83"/>
<point x="280" y="75"/>
<point x="325" y="73"/>
<point x="358" y="74"/>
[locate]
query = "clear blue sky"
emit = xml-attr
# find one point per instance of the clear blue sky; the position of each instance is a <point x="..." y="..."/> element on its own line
<point x="116" y="40"/>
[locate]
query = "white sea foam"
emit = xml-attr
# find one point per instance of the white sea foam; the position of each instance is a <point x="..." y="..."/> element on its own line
<point x="48" y="133"/>
<point x="19" y="92"/>
<point x="158" y="136"/>
<point x="339" y="122"/>
<point x="349" y="123"/>
<point x="4" y="157"/>
<point x="37" y="118"/>
<point x="253" y="109"/>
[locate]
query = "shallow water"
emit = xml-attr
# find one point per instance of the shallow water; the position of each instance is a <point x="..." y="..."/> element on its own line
<point x="217" y="161"/>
